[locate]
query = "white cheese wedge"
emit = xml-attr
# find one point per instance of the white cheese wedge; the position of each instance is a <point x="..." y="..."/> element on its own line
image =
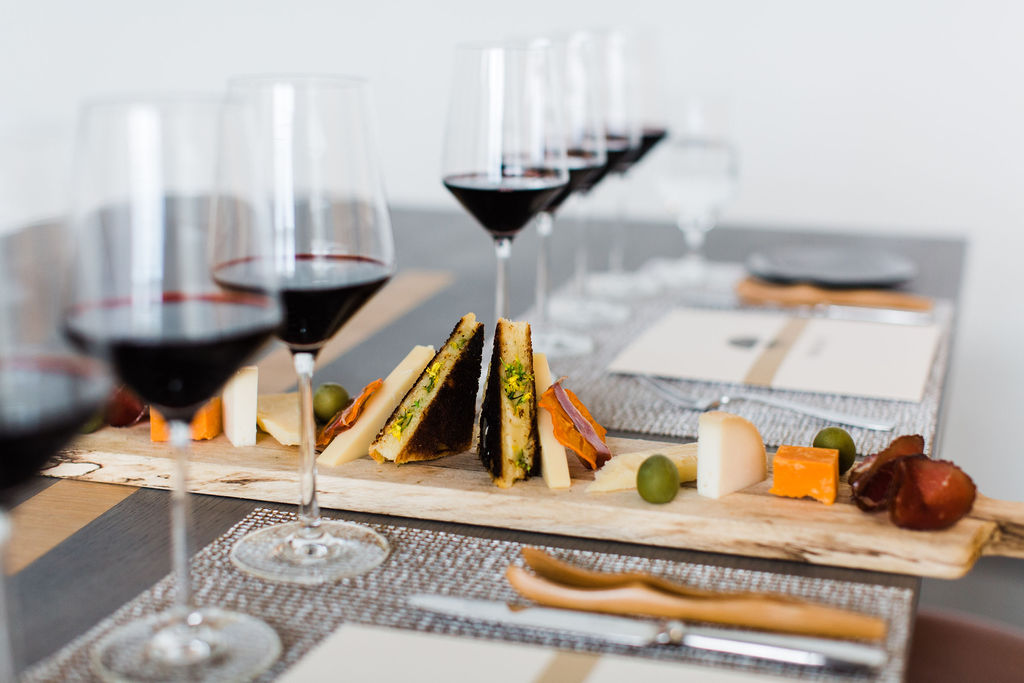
<point x="238" y="407"/>
<point x="355" y="442"/>
<point x="554" y="462"/>
<point x="278" y="415"/>
<point x="730" y="454"/>
<point x="619" y="473"/>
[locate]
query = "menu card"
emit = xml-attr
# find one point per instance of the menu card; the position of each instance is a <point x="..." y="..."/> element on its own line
<point x="370" y="653"/>
<point x="778" y="350"/>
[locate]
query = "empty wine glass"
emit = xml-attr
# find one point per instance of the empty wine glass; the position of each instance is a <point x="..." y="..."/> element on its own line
<point x="333" y="250"/>
<point x="504" y="147"/>
<point x="576" y="75"/>
<point x="157" y="185"/>
<point x="696" y="179"/>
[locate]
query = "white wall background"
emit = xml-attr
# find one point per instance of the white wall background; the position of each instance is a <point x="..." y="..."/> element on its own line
<point x="875" y="115"/>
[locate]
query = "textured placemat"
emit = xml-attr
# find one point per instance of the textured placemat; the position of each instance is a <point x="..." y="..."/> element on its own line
<point x="438" y="562"/>
<point x="624" y="404"/>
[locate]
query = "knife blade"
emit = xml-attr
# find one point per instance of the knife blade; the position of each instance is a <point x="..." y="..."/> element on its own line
<point x="802" y="650"/>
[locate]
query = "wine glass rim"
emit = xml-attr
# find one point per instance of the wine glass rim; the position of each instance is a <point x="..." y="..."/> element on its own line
<point x="271" y="79"/>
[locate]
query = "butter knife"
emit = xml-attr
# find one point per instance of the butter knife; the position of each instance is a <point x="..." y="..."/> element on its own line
<point x="802" y="650"/>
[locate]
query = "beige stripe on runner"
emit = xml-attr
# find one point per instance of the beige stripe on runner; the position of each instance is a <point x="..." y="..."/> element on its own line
<point x="407" y="290"/>
<point x="568" y="667"/>
<point x="53" y="515"/>
<point x="762" y="372"/>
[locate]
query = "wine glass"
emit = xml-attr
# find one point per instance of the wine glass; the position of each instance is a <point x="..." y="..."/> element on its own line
<point x="333" y="250"/>
<point x="504" y="149"/>
<point x="47" y="392"/>
<point x="696" y="178"/>
<point x="158" y="184"/>
<point x="581" y="308"/>
<point x="576" y="77"/>
<point x="645" y="90"/>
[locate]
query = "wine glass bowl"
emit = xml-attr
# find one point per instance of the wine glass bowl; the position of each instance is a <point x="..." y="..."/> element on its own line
<point x="504" y="155"/>
<point x="318" y="181"/>
<point x="154" y="192"/>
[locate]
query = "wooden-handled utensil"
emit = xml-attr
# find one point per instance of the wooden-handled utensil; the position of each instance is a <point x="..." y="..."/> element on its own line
<point x="747" y="610"/>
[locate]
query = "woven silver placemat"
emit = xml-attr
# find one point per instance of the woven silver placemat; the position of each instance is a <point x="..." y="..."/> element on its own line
<point x="621" y="403"/>
<point x="424" y="560"/>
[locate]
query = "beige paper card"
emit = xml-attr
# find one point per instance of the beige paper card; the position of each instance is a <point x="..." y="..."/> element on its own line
<point x="383" y="655"/>
<point x="846" y="357"/>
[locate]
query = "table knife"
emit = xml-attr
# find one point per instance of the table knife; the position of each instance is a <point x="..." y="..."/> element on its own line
<point x="802" y="650"/>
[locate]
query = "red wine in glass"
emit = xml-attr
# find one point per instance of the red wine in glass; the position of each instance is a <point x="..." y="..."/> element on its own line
<point x="43" y="403"/>
<point x="318" y="297"/>
<point x="617" y="148"/>
<point x="503" y="206"/>
<point x="649" y="138"/>
<point x="188" y="350"/>
<point x="580" y="170"/>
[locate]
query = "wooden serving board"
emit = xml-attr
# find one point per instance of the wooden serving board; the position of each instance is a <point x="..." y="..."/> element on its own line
<point x="456" y="489"/>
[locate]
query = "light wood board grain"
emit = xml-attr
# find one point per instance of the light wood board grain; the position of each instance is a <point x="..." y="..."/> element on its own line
<point x="750" y="522"/>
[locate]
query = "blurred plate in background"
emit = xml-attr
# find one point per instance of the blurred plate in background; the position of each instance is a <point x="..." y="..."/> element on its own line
<point x="832" y="266"/>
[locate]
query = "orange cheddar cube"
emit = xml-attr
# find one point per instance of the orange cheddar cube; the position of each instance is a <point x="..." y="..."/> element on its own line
<point x="205" y="425"/>
<point x="800" y="471"/>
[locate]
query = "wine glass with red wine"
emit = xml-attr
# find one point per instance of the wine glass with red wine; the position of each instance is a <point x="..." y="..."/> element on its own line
<point x="504" y="148"/>
<point x="645" y="90"/>
<point x="47" y="392"/>
<point x="333" y="250"/>
<point x="576" y="74"/>
<point x="158" y="184"/>
<point x="580" y="307"/>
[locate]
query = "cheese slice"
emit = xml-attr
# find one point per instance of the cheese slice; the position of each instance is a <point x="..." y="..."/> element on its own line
<point x="730" y="454"/>
<point x="554" y="462"/>
<point x="238" y="407"/>
<point x="619" y="473"/>
<point x="278" y="415"/>
<point x="355" y="442"/>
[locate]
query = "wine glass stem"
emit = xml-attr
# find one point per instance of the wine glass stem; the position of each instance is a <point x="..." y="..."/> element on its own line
<point x="545" y="221"/>
<point x="580" y="273"/>
<point x="503" y="250"/>
<point x="694" y="232"/>
<point x="309" y="509"/>
<point x="181" y="441"/>
<point x="617" y="245"/>
<point x="6" y="651"/>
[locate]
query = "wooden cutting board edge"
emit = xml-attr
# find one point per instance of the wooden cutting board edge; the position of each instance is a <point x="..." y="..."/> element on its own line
<point x="751" y="522"/>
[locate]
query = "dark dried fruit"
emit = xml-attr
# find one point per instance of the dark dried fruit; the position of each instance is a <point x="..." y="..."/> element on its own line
<point x="933" y="494"/>
<point x="124" y="408"/>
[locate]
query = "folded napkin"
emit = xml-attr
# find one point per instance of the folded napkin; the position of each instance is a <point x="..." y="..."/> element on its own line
<point x="752" y="290"/>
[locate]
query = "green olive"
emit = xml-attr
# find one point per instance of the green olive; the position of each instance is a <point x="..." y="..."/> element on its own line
<point x="657" y="480"/>
<point x="839" y="439"/>
<point x="328" y="399"/>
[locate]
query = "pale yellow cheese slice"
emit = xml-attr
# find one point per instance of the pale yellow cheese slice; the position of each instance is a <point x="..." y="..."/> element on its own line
<point x="619" y="473"/>
<point x="239" y="407"/>
<point x="554" y="463"/>
<point x="278" y="415"/>
<point x="730" y="455"/>
<point x="355" y="442"/>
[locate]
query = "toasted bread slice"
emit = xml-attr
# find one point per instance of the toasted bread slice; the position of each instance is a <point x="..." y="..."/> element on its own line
<point x="435" y="417"/>
<point x="508" y="416"/>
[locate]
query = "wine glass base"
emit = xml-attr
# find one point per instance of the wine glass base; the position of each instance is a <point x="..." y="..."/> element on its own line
<point x="556" y="343"/>
<point x="622" y="286"/>
<point x="283" y="553"/>
<point x="585" y="312"/>
<point x="209" y="644"/>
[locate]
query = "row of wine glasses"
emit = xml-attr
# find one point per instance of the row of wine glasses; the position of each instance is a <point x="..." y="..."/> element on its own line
<point x="534" y="123"/>
<point x="201" y="227"/>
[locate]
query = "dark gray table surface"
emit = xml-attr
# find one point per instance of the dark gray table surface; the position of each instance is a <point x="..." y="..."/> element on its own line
<point x="125" y="551"/>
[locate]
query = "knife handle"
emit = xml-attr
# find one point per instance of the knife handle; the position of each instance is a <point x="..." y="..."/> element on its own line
<point x="750" y="611"/>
